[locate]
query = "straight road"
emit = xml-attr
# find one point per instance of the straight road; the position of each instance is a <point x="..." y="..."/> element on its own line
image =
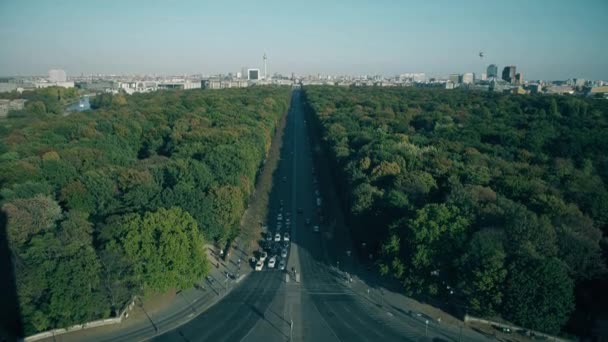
<point x="323" y="305"/>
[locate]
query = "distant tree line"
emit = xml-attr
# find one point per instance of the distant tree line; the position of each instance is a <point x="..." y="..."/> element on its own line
<point x="105" y="204"/>
<point x="496" y="201"/>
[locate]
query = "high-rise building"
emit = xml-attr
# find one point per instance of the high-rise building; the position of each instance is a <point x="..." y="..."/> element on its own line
<point x="519" y="78"/>
<point x="57" y="75"/>
<point x="484" y="76"/>
<point x="455" y="78"/>
<point x="492" y="71"/>
<point x="253" y="74"/>
<point x="468" y="78"/>
<point x="508" y="73"/>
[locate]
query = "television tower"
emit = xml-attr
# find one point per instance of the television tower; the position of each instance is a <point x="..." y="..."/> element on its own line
<point x="265" y="58"/>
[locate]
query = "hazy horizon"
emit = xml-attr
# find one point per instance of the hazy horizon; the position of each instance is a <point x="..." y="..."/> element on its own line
<point x="545" y="40"/>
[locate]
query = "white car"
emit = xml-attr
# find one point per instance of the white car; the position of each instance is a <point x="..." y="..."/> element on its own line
<point x="315" y="229"/>
<point x="286" y="237"/>
<point x="271" y="262"/>
<point x="263" y="256"/>
<point x="259" y="265"/>
<point x="284" y="253"/>
<point x="277" y="237"/>
<point x="282" y="265"/>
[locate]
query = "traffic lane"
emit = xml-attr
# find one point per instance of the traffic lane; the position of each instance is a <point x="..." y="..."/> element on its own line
<point x="342" y="313"/>
<point x="234" y="315"/>
<point x="350" y="323"/>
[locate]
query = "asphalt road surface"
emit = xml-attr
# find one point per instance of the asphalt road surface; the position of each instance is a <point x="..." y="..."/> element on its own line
<point x="322" y="306"/>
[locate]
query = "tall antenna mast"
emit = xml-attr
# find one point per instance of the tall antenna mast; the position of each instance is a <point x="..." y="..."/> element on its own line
<point x="265" y="58"/>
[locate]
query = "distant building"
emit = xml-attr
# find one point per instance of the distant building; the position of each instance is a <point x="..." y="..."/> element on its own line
<point x="468" y="78"/>
<point x="484" y="76"/>
<point x="183" y="85"/>
<point x="535" y="88"/>
<point x="579" y="82"/>
<point x="253" y="74"/>
<point x="492" y="71"/>
<point x="8" y="105"/>
<point x="413" y="77"/>
<point x="57" y="75"/>
<point x="519" y="78"/>
<point x="599" y="90"/>
<point x="222" y="84"/>
<point x="508" y="73"/>
<point x="7" y="87"/>
<point x="65" y="84"/>
<point x="559" y="89"/>
<point x="455" y="78"/>
<point x="519" y="91"/>
<point x="98" y="86"/>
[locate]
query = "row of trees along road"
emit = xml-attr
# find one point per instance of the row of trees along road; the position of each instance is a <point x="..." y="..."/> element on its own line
<point x="105" y="204"/>
<point x="502" y="198"/>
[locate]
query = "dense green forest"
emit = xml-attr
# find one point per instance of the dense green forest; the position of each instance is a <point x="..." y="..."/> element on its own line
<point x="106" y="204"/>
<point x="499" y="202"/>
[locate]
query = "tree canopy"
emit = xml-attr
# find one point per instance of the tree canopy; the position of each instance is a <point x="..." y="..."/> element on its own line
<point x="478" y="197"/>
<point x="105" y="204"/>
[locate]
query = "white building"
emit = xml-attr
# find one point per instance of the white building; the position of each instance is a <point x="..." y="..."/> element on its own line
<point x="184" y="85"/>
<point x="413" y="77"/>
<point x="57" y="76"/>
<point x="468" y="78"/>
<point x="65" y="84"/>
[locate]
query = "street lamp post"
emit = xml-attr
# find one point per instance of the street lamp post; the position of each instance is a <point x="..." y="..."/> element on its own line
<point x="426" y="328"/>
<point x="460" y="335"/>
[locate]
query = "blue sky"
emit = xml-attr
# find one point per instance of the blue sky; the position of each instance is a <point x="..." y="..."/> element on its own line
<point x="546" y="39"/>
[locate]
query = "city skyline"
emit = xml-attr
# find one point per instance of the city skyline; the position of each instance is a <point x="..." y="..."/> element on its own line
<point x="543" y="39"/>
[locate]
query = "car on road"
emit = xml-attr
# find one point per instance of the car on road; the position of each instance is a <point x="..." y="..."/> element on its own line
<point x="282" y="265"/>
<point x="284" y="179"/>
<point x="315" y="228"/>
<point x="277" y="237"/>
<point x="284" y="253"/>
<point x="268" y="237"/>
<point x="286" y="237"/>
<point x="259" y="265"/>
<point x="300" y="210"/>
<point x="307" y="221"/>
<point x="281" y="202"/>
<point x="271" y="262"/>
